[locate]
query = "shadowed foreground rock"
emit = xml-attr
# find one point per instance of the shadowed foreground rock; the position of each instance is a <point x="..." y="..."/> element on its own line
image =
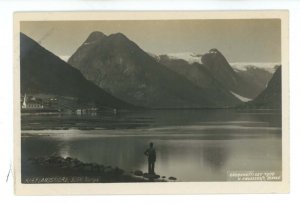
<point x="56" y="169"/>
<point x="172" y="178"/>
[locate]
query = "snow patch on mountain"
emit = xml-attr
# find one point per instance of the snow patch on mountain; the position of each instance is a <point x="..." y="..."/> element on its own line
<point x="243" y="99"/>
<point x="244" y="66"/>
<point x="187" y="56"/>
<point x="156" y="57"/>
<point x="64" y="58"/>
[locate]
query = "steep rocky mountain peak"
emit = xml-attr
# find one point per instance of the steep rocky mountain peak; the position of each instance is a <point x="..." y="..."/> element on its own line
<point x="95" y="36"/>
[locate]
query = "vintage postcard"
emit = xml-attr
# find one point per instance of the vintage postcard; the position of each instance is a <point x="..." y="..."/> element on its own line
<point x="151" y="102"/>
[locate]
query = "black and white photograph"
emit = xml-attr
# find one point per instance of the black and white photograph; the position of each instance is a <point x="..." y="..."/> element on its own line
<point x="151" y="100"/>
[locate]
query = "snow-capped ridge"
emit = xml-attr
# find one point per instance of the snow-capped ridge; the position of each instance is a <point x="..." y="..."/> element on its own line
<point x="189" y="57"/>
<point x="243" y="66"/>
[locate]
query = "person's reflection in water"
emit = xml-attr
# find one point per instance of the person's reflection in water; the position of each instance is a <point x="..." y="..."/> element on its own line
<point x="151" y="154"/>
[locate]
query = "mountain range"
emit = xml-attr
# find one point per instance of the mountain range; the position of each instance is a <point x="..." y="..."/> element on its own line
<point x="199" y="75"/>
<point x="243" y="83"/>
<point x="122" y="68"/>
<point x="43" y="72"/>
<point x="114" y="71"/>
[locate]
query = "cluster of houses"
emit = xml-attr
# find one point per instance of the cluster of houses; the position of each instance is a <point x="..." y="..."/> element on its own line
<point x="32" y="103"/>
<point x="55" y="104"/>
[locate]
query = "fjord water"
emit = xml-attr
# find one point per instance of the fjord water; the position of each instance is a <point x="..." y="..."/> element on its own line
<point x="191" y="145"/>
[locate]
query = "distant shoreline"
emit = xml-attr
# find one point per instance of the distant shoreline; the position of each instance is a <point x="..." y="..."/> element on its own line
<point x="239" y="108"/>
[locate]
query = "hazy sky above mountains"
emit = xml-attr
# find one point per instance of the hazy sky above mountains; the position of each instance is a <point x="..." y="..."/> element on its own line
<point x="238" y="40"/>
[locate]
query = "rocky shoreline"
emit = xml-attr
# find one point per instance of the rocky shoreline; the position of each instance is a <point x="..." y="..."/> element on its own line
<point x="56" y="169"/>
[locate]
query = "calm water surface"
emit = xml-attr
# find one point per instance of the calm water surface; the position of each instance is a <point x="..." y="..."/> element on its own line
<point x="192" y="145"/>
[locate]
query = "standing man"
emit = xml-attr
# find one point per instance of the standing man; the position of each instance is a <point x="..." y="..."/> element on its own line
<point x="151" y="154"/>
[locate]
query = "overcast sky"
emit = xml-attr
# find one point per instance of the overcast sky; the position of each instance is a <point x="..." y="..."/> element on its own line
<point x="239" y="40"/>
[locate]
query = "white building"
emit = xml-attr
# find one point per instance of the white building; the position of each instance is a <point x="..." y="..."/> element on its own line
<point x="32" y="104"/>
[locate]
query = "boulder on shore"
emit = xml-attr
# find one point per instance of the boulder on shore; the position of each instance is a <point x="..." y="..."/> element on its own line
<point x="172" y="178"/>
<point x="151" y="176"/>
<point x="138" y="173"/>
